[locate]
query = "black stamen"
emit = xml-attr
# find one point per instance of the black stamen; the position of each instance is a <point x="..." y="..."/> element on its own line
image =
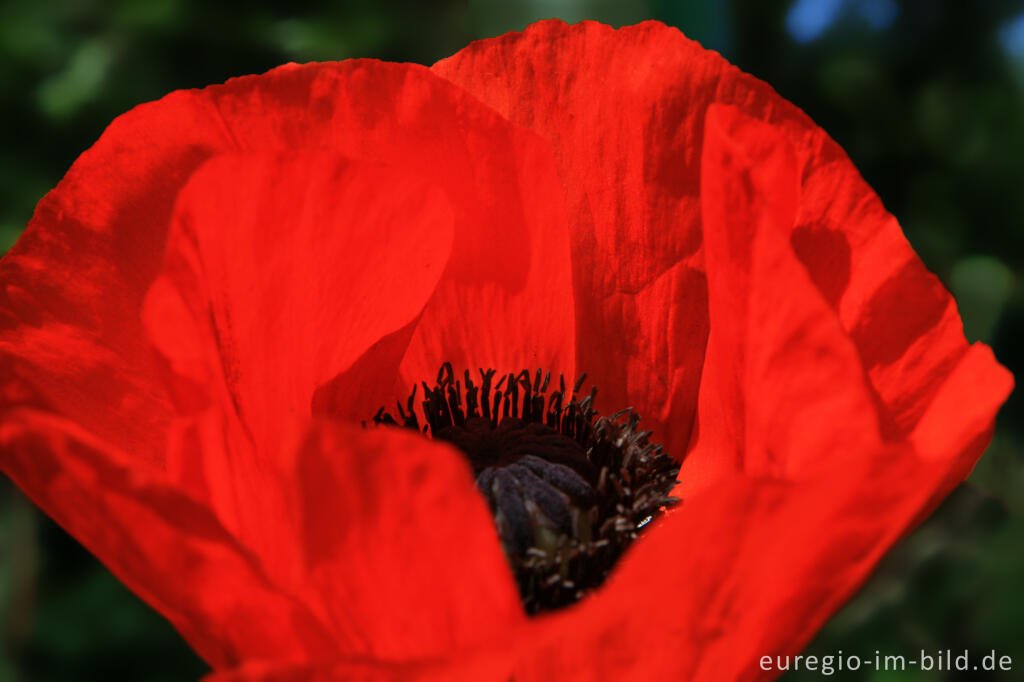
<point x="569" y="490"/>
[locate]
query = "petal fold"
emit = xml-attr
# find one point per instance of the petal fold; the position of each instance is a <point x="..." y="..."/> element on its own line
<point x="627" y="131"/>
<point x="73" y="339"/>
<point x="781" y="382"/>
<point x="622" y="111"/>
<point x="283" y="269"/>
<point x="394" y="546"/>
<point x="791" y="493"/>
<point x="315" y="240"/>
<point x="164" y="545"/>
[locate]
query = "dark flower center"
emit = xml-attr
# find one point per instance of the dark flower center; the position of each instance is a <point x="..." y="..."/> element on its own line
<point x="569" y="490"/>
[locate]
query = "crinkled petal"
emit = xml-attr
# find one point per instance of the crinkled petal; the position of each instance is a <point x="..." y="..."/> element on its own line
<point x="623" y="112"/>
<point x="282" y="270"/>
<point x="796" y="495"/>
<point x="506" y="297"/>
<point x="386" y="551"/>
<point x="74" y="286"/>
<point x="627" y="133"/>
<point x="507" y="303"/>
<point x="392" y="545"/>
<point x="781" y="381"/>
<point x="480" y="280"/>
<point x="166" y="546"/>
<point x="379" y="532"/>
<point x="755" y="561"/>
<point x="750" y="568"/>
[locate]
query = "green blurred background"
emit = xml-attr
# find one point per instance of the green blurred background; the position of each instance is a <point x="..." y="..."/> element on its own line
<point x="926" y="96"/>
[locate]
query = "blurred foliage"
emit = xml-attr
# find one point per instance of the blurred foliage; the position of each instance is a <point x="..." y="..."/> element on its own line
<point x="926" y="96"/>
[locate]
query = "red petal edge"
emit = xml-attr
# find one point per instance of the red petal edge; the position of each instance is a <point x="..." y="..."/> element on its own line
<point x="115" y="205"/>
<point x="627" y="132"/>
<point x="165" y="546"/>
<point x="392" y="546"/>
<point x="753" y="564"/>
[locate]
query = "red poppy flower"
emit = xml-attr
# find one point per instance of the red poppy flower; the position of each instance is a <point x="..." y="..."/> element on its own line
<point x="231" y="280"/>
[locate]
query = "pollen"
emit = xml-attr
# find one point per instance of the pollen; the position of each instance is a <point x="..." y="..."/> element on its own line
<point x="569" y="490"/>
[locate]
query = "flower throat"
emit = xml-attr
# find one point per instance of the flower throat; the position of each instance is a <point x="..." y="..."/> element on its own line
<point x="569" y="490"/>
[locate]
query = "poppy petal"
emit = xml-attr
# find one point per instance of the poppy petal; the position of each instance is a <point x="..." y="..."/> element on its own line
<point x="75" y="281"/>
<point x="394" y="546"/>
<point x="748" y="568"/>
<point x="653" y="264"/>
<point x="292" y="266"/>
<point x="780" y="374"/>
<point x="335" y="254"/>
<point x="625" y="130"/>
<point x="627" y="133"/>
<point x="165" y="546"/>
<point x="475" y="669"/>
<point x="792" y="502"/>
<point x="510" y="236"/>
<point x="956" y="426"/>
<point x="520" y="314"/>
<point x="82" y="350"/>
<point x="380" y="532"/>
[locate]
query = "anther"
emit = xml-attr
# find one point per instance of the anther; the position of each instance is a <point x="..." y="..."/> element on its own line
<point x="569" y="490"/>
